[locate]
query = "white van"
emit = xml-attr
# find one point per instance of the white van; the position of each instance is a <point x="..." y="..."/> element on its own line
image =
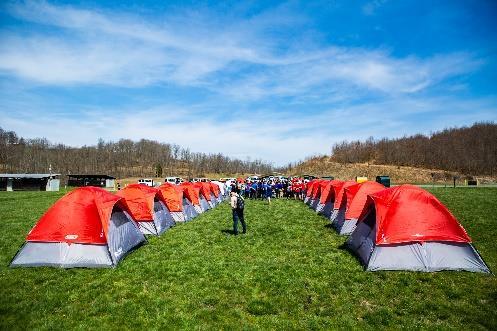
<point x="172" y="180"/>
<point x="146" y="181"/>
<point x="195" y="180"/>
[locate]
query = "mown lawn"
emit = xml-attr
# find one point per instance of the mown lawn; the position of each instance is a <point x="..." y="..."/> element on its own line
<point x="289" y="272"/>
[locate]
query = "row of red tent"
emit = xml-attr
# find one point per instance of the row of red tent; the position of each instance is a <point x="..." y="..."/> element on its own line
<point x="91" y="227"/>
<point x="399" y="228"/>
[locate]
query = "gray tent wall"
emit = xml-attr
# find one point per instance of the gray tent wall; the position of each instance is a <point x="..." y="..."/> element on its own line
<point x="319" y="208"/>
<point x="414" y="256"/>
<point x="337" y="217"/>
<point x="189" y="210"/>
<point x="325" y="209"/>
<point x="315" y="203"/>
<point x="198" y="209"/>
<point x="340" y="224"/>
<point x="334" y="215"/>
<point x="213" y="200"/>
<point x="178" y="216"/>
<point x="161" y="222"/>
<point x="124" y="236"/>
<point x="204" y="204"/>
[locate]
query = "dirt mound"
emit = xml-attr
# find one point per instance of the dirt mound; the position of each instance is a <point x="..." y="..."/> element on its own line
<point x="324" y="166"/>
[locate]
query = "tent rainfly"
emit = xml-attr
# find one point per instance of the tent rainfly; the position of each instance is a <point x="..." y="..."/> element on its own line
<point x="407" y="228"/>
<point x="145" y="206"/>
<point x="191" y="207"/>
<point x="316" y="194"/>
<point x="172" y="196"/>
<point x="88" y="227"/>
<point x="215" y="193"/>
<point x="313" y="190"/>
<point x="327" y="198"/>
<point x="340" y="204"/>
<point x="192" y="195"/>
<point x="308" y="191"/>
<point x="355" y="205"/>
<point x="205" y="195"/>
<point x="222" y="188"/>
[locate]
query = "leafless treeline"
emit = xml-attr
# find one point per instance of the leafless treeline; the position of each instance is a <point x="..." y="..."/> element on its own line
<point x="469" y="150"/>
<point x="125" y="158"/>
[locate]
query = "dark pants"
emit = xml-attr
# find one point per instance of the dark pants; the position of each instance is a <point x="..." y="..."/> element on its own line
<point x="238" y="215"/>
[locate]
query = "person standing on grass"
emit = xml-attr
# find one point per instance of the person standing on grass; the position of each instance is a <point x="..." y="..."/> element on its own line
<point x="247" y="190"/>
<point x="237" y="208"/>
<point x="277" y="189"/>
<point x="253" y="190"/>
<point x="269" y="192"/>
<point x="260" y="190"/>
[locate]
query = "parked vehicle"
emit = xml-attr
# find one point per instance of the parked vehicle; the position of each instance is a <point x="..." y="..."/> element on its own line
<point x="173" y="180"/>
<point x="194" y="180"/>
<point x="146" y="181"/>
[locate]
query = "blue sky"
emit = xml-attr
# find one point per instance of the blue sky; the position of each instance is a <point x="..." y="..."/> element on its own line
<point x="277" y="81"/>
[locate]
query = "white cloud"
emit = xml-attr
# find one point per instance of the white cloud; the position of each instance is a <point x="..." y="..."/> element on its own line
<point x="280" y="137"/>
<point x="239" y="58"/>
<point x="371" y="7"/>
<point x="239" y="63"/>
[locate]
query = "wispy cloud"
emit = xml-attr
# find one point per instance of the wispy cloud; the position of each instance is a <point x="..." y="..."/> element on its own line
<point x="371" y="7"/>
<point x="277" y="136"/>
<point x="259" y="85"/>
<point x="237" y="59"/>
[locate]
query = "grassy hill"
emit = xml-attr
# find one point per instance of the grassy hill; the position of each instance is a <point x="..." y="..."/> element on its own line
<point x="325" y="166"/>
<point x="288" y="272"/>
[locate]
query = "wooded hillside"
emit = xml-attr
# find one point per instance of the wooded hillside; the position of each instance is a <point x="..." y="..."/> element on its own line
<point x="124" y="158"/>
<point x="468" y="150"/>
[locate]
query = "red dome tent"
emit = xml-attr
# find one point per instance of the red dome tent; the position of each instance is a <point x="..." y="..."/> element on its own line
<point x="327" y="198"/>
<point x="205" y="195"/>
<point x="88" y="227"/>
<point x="191" y="203"/>
<point x="172" y="196"/>
<point x="407" y="228"/>
<point x="214" y="190"/>
<point x="357" y="196"/>
<point x="308" y="190"/>
<point x="340" y="204"/>
<point x="146" y="208"/>
<point x="316" y="194"/>
<point x="312" y="191"/>
<point x="221" y="189"/>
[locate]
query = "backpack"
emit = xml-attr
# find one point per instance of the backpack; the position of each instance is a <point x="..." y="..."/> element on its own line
<point x="240" y="203"/>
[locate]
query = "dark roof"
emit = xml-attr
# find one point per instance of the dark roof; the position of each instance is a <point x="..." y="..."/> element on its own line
<point x="92" y="176"/>
<point x="28" y="175"/>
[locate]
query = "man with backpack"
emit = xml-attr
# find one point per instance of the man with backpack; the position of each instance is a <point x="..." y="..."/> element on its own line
<point x="237" y="207"/>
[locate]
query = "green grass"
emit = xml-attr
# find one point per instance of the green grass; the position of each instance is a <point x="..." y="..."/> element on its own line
<point x="287" y="273"/>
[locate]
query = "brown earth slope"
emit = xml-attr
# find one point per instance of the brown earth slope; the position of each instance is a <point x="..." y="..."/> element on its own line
<point x="324" y="166"/>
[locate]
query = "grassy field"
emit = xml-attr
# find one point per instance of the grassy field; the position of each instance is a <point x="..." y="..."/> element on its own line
<point x="288" y="272"/>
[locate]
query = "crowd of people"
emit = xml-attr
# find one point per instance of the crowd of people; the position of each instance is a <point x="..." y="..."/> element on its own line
<point x="268" y="188"/>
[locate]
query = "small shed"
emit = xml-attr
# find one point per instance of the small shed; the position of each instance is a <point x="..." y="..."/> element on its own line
<point x="384" y="180"/>
<point x="29" y="182"/>
<point x="91" y="180"/>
